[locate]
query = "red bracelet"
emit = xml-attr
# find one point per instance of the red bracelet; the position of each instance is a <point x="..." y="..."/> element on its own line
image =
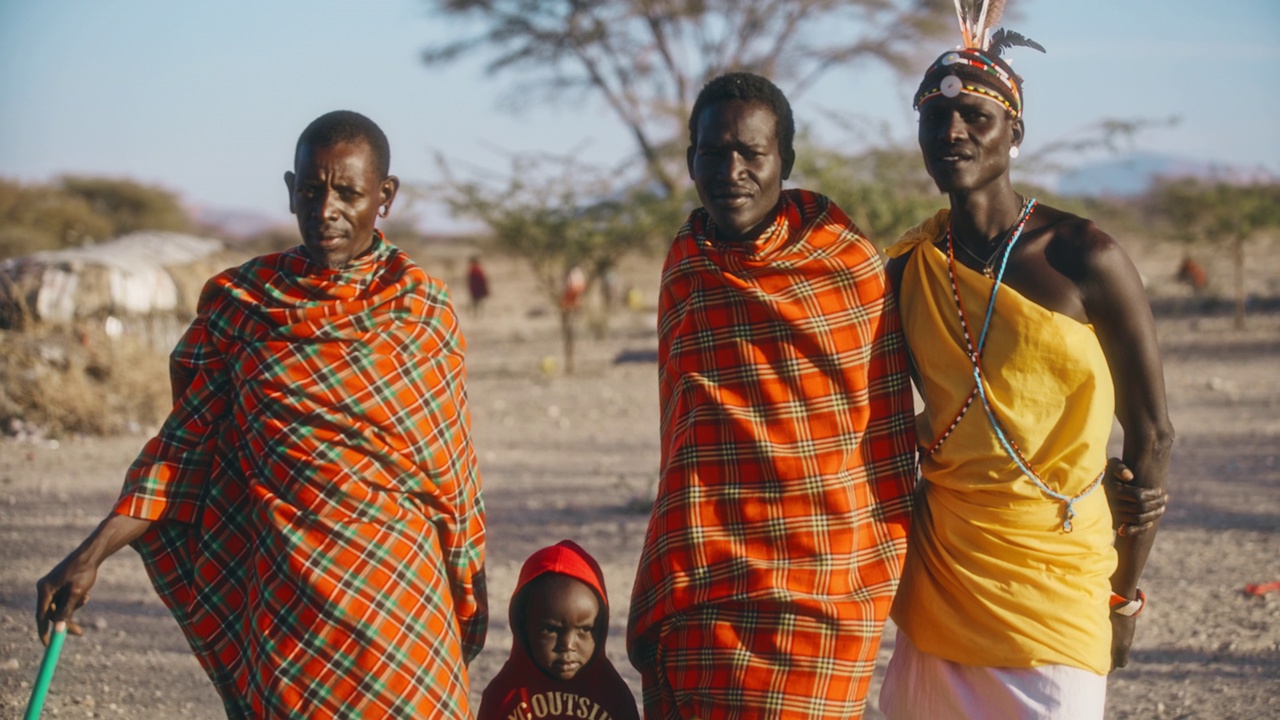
<point x="1125" y="607"/>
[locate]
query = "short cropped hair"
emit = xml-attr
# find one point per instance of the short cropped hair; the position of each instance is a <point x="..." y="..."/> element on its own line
<point x="342" y="126"/>
<point x="747" y="87"/>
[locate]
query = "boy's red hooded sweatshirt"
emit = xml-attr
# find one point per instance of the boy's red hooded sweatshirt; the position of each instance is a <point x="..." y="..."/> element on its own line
<point x="522" y="691"/>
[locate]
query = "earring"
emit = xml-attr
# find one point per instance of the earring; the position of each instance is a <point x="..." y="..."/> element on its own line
<point x="1013" y="151"/>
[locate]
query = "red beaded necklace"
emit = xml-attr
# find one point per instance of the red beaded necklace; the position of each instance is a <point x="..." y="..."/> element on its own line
<point x="975" y="355"/>
<point x="974" y="352"/>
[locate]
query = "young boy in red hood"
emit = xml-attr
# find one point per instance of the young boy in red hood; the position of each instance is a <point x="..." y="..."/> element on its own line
<point x="559" y="620"/>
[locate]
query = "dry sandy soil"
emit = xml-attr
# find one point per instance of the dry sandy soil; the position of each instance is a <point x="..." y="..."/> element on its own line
<point x="578" y="456"/>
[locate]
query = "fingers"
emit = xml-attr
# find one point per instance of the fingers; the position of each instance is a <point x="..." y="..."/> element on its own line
<point x="1153" y="497"/>
<point x="1136" y="505"/>
<point x="1135" y="525"/>
<point x="1118" y="470"/>
<point x="1131" y="515"/>
<point x="1120" y="654"/>
<point x="44" y="596"/>
<point x="55" y="611"/>
<point x="1143" y="494"/>
<point x="1148" y="518"/>
<point x="1139" y="516"/>
<point x="67" y="604"/>
<point x="1129" y="530"/>
<point x="1119" y="660"/>
<point x="74" y="627"/>
<point x="55" y="603"/>
<point x="1121" y="640"/>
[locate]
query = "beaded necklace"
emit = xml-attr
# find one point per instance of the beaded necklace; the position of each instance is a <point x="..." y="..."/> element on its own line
<point x="987" y="265"/>
<point x="1009" y="240"/>
<point x="979" y="389"/>
<point x="1011" y="237"/>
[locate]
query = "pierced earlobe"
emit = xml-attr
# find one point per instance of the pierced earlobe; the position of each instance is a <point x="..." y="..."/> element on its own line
<point x="384" y="211"/>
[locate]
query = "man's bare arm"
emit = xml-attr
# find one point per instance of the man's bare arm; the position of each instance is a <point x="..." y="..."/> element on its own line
<point x="66" y="588"/>
<point x="1117" y="306"/>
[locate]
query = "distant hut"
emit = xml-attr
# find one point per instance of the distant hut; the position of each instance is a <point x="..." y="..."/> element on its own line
<point x="148" y="280"/>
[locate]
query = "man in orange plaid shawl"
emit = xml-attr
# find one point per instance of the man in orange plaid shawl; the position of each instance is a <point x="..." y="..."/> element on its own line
<point x="310" y="512"/>
<point x="775" y="545"/>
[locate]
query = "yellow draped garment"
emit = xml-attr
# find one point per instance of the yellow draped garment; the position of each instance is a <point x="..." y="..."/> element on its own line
<point x="991" y="578"/>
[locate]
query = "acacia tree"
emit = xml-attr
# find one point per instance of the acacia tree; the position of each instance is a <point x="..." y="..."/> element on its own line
<point x="647" y="59"/>
<point x="558" y="215"/>
<point x="1214" y="211"/>
<point x="884" y="189"/>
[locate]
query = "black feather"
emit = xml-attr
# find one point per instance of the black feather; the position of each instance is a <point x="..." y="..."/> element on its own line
<point x="1003" y="39"/>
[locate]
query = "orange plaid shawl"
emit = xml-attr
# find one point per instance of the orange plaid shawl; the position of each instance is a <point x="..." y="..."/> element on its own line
<point x="788" y="460"/>
<point x="320" y="533"/>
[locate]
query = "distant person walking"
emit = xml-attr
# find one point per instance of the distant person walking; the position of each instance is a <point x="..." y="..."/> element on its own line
<point x="1193" y="275"/>
<point x="477" y="284"/>
<point x="310" y="511"/>
<point x="575" y="285"/>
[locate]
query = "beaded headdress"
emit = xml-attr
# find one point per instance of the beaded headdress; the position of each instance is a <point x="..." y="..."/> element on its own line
<point x="976" y="66"/>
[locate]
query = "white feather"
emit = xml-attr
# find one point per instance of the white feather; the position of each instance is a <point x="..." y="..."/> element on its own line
<point x="995" y="14"/>
<point x="964" y="25"/>
<point x="980" y="32"/>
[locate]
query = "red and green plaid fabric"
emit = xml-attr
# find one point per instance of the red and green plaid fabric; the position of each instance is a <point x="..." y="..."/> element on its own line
<point x="320" y="531"/>
<point x="788" y="460"/>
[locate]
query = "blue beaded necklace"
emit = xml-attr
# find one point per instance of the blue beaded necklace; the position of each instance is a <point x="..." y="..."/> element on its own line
<point x="975" y="357"/>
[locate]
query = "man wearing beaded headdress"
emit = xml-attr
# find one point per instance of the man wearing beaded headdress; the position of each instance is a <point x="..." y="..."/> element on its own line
<point x="1028" y="330"/>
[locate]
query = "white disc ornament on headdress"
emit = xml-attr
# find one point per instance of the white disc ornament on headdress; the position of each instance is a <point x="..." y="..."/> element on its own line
<point x="979" y="59"/>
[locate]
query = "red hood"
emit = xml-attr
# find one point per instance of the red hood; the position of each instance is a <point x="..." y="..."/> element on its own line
<point x="521" y="679"/>
<point x="567" y="558"/>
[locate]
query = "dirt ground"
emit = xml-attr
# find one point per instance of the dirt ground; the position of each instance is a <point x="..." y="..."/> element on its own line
<point x="578" y="457"/>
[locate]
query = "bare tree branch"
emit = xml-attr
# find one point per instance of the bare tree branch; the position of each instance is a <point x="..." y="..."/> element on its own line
<point x="646" y="59"/>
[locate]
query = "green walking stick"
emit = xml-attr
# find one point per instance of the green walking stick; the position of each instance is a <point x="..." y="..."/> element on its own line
<point x="45" y="676"/>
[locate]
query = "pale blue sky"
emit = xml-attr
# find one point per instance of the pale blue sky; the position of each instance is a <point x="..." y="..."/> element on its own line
<point x="208" y="96"/>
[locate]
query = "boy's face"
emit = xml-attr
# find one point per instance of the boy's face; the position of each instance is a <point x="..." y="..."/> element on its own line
<point x="560" y="620"/>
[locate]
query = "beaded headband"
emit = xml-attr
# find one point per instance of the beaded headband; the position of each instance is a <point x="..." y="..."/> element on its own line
<point x="976" y="66"/>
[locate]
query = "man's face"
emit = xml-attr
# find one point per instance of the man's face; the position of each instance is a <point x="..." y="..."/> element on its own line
<point x="965" y="141"/>
<point x="335" y="194"/>
<point x="738" y="167"/>
<point x="560" y="620"/>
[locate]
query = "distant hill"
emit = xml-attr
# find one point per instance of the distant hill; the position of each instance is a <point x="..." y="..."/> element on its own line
<point x="1134" y="174"/>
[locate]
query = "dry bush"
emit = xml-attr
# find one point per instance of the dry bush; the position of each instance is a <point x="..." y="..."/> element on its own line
<point x="60" y="381"/>
<point x="74" y="211"/>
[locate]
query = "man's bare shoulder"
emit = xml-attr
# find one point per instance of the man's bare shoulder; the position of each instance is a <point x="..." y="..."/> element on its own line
<point x="1095" y="262"/>
<point x="1076" y="244"/>
<point x="1073" y="231"/>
